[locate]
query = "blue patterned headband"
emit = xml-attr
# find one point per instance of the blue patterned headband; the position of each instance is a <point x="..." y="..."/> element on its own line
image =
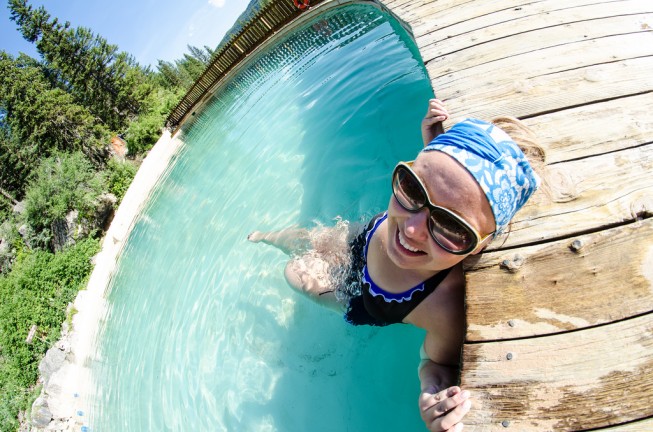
<point x="495" y="161"/>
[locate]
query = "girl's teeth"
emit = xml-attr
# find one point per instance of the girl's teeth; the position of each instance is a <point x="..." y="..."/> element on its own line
<point x="406" y="245"/>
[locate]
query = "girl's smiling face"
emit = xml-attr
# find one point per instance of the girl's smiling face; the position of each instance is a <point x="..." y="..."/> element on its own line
<point x="449" y="185"/>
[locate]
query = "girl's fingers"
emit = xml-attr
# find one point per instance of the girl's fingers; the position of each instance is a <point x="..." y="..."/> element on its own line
<point x="448" y="402"/>
<point x="437" y="113"/>
<point x="436" y="109"/>
<point x="428" y="400"/>
<point x="436" y="103"/>
<point x="457" y="428"/>
<point x="432" y="120"/>
<point x="452" y="418"/>
<point x="443" y="407"/>
<point x="435" y="398"/>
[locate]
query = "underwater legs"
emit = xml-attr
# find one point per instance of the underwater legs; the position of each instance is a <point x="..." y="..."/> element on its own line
<point x="311" y="276"/>
<point x="290" y="241"/>
<point x="317" y="255"/>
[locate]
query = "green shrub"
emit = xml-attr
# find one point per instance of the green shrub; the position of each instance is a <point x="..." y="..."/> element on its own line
<point x="119" y="176"/>
<point x="145" y="131"/>
<point x="36" y="291"/>
<point x="61" y="183"/>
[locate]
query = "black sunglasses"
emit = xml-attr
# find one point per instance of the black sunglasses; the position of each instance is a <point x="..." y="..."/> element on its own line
<point x="450" y="231"/>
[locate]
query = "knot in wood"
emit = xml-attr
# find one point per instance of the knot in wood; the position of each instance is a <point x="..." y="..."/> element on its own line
<point x="522" y="86"/>
<point x="563" y="185"/>
<point x="641" y="208"/>
<point x="513" y="265"/>
<point x="576" y="245"/>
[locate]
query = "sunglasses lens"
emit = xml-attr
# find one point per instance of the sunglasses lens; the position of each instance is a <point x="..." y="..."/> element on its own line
<point x="407" y="190"/>
<point x="450" y="233"/>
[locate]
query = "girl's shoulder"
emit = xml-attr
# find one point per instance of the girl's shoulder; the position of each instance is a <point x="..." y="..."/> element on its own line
<point x="443" y="305"/>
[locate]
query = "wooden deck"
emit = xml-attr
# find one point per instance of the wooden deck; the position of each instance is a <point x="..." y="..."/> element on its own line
<point x="560" y="318"/>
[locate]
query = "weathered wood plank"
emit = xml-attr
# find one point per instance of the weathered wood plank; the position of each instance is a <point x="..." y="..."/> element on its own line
<point x="455" y="18"/>
<point x="426" y="16"/>
<point x="494" y="92"/>
<point x="639" y="426"/>
<point x="522" y="36"/>
<point x="560" y="286"/>
<point x="595" y="129"/>
<point x="590" y="194"/>
<point x="536" y="62"/>
<point x="554" y="48"/>
<point x="573" y="381"/>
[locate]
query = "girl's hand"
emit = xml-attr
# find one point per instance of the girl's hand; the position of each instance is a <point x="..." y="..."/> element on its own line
<point x="443" y="411"/>
<point x="432" y="122"/>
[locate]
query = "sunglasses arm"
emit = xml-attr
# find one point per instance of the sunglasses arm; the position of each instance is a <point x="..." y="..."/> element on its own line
<point x="482" y="244"/>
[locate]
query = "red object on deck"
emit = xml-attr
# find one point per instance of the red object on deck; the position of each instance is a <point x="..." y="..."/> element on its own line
<point x="301" y="4"/>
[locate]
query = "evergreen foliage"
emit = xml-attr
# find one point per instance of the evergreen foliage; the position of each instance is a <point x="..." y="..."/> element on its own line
<point x="9" y="243"/>
<point x="145" y="130"/>
<point x="13" y="171"/>
<point x="108" y="82"/>
<point x="39" y="120"/>
<point x="119" y="177"/>
<point x="61" y="183"/>
<point x="184" y="72"/>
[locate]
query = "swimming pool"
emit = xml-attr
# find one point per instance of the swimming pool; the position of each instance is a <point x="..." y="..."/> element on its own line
<point x="203" y="333"/>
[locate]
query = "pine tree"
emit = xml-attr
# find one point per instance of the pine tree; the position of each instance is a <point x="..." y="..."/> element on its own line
<point x="184" y="72"/>
<point x="203" y="55"/>
<point x="169" y="76"/>
<point x="99" y="77"/>
<point x="36" y="120"/>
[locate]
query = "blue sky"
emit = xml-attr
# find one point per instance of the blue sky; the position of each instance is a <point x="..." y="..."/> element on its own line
<point x="147" y="29"/>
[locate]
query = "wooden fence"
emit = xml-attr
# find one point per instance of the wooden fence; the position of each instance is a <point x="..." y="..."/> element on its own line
<point x="269" y="20"/>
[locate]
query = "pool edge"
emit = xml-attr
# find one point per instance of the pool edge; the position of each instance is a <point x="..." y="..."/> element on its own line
<point x="70" y="389"/>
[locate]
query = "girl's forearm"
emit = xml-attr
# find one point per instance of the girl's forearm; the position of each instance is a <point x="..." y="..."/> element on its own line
<point x="437" y="376"/>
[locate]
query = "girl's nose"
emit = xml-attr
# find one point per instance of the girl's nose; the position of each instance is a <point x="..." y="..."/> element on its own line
<point x="416" y="225"/>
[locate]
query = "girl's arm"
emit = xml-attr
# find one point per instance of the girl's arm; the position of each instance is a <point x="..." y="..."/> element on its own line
<point x="432" y="122"/>
<point x="442" y="404"/>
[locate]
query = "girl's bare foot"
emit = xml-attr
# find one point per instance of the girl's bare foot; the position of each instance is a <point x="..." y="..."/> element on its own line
<point x="255" y="236"/>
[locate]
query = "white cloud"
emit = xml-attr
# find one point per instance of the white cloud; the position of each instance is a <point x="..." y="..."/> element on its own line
<point x="217" y="3"/>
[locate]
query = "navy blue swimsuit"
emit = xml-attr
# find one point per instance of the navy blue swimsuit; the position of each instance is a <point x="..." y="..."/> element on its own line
<point x="373" y="305"/>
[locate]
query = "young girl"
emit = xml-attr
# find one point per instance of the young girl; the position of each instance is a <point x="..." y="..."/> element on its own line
<point x="461" y="191"/>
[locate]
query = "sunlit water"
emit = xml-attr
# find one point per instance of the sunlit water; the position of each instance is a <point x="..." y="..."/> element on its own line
<point x="203" y="334"/>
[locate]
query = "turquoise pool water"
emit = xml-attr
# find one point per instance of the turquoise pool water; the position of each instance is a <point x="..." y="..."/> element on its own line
<point x="203" y="334"/>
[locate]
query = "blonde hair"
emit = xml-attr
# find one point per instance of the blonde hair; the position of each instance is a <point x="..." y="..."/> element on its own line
<point x="527" y="141"/>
